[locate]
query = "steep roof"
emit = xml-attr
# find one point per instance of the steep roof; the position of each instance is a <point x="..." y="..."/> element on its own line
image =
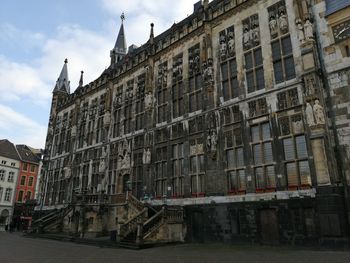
<point x="26" y="154"/>
<point x="7" y="149"/>
<point x="336" y="5"/>
<point x="120" y="44"/>
<point x="63" y="83"/>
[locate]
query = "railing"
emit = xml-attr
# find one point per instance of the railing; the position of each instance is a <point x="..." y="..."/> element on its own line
<point x="153" y="223"/>
<point x="135" y="202"/>
<point x="131" y="225"/>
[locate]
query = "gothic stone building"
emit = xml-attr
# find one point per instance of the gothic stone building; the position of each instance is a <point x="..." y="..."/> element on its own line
<point x="231" y="118"/>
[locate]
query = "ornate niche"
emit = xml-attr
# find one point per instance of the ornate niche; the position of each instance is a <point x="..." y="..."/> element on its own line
<point x="194" y="61"/>
<point x="177" y="68"/>
<point x="251" y="32"/>
<point x="212" y="135"/>
<point x="227" y="43"/>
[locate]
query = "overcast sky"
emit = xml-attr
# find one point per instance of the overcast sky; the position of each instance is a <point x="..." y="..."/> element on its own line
<point x="37" y="35"/>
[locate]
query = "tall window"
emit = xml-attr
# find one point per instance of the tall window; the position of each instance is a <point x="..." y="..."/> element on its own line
<point x="177" y="87"/>
<point x="162" y="92"/>
<point x="128" y="107"/>
<point x="32" y="168"/>
<point x="195" y="79"/>
<point x="140" y="103"/>
<point x="30" y="181"/>
<point x="8" y="194"/>
<point x="263" y="157"/>
<point x="228" y="64"/>
<point x="28" y="195"/>
<point x="235" y="159"/>
<point x="295" y="151"/>
<point x="282" y="53"/>
<point x="253" y="56"/>
<point x="23" y="180"/>
<point x="161" y="171"/>
<point x="20" y="196"/>
<point x="2" y="175"/>
<point x="178" y="165"/>
<point x="197" y="167"/>
<point x="117" y="103"/>
<point x="1" y="191"/>
<point x="11" y="176"/>
<point x="25" y="167"/>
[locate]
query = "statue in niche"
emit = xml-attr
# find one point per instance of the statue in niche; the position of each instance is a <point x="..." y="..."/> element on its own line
<point x="256" y="35"/>
<point x="124" y="156"/>
<point x="273" y="25"/>
<point x="300" y="29"/>
<point x="146" y="157"/>
<point x="308" y="30"/>
<point x="310" y="85"/>
<point x="196" y="60"/>
<point x="246" y="36"/>
<point x="282" y="20"/>
<point x="208" y="72"/>
<point x="107" y="118"/>
<point x="212" y="141"/>
<point x="231" y="43"/>
<point x="148" y="100"/>
<point x="223" y="47"/>
<point x="310" y="119"/>
<point x="318" y="113"/>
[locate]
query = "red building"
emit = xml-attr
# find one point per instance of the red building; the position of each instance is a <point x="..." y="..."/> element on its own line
<point x="28" y="174"/>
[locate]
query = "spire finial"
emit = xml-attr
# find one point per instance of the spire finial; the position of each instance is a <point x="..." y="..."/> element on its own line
<point x="81" y="79"/>
<point x="152" y="33"/>
<point x="66" y="61"/>
<point x="122" y="17"/>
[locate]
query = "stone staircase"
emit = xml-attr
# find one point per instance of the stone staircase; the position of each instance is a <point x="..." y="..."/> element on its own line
<point x="52" y="222"/>
<point x="149" y="225"/>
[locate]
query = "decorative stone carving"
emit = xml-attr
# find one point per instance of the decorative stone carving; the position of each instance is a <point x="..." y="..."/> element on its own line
<point x="318" y="112"/>
<point x="273" y="25"/>
<point x="300" y="31"/>
<point x="298" y="126"/>
<point x="208" y="72"/>
<point x="308" y="30"/>
<point x="67" y="172"/>
<point x="223" y="47"/>
<point x="146" y="157"/>
<point x="73" y="131"/>
<point x="256" y="35"/>
<point x="282" y="20"/>
<point x="231" y="43"/>
<point x="149" y="101"/>
<point x="310" y="84"/>
<point x="309" y="115"/>
<point x="124" y="156"/>
<point x="212" y="141"/>
<point x="177" y="70"/>
<point x="246" y="36"/>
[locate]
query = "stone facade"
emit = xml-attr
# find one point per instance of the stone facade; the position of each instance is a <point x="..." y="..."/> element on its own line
<point x="226" y="114"/>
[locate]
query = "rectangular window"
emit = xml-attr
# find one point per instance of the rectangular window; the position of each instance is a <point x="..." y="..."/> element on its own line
<point x="25" y="167"/>
<point x="177" y="87"/>
<point x="20" y="196"/>
<point x="23" y="180"/>
<point x="30" y="181"/>
<point x="162" y="92"/>
<point x="178" y="165"/>
<point x="1" y="190"/>
<point x="161" y="171"/>
<point x="8" y="195"/>
<point x="11" y="176"/>
<point x="2" y="175"/>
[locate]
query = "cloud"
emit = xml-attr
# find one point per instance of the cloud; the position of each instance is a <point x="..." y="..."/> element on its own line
<point x="140" y="13"/>
<point x="20" y="129"/>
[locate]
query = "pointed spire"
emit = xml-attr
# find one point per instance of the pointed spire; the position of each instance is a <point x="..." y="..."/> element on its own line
<point x="120" y="44"/>
<point x="120" y="49"/>
<point x="81" y="82"/>
<point x="63" y="83"/>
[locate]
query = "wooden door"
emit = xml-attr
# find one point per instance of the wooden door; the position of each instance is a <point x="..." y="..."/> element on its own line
<point x="269" y="226"/>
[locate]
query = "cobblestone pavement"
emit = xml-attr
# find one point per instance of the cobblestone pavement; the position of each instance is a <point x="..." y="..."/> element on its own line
<point x="17" y="249"/>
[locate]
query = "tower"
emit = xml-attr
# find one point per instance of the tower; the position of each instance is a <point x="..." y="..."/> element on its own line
<point x="119" y="50"/>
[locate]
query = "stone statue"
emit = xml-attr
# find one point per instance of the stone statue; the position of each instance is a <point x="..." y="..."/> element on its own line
<point x="310" y="85"/>
<point x="148" y="100"/>
<point x="256" y="35"/>
<point x="146" y="157"/>
<point x="301" y="35"/>
<point x="246" y="37"/>
<point x="298" y="126"/>
<point x="273" y="25"/>
<point x="308" y="30"/>
<point x="309" y="115"/>
<point x="318" y="112"/>
<point x="107" y="118"/>
<point x="231" y="43"/>
<point x="223" y="47"/>
<point x="208" y="72"/>
<point x="212" y="141"/>
<point x="283" y="22"/>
